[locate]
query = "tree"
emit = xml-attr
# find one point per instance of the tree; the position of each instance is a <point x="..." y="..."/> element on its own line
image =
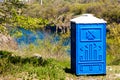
<point x="8" y="10"/>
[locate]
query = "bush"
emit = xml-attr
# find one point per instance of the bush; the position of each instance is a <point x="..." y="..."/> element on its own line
<point x="113" y="40"/>
<point x="112" y="15"/>
<point x="5" y="54"/>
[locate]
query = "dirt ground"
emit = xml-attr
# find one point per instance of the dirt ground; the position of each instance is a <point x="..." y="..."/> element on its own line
<point x="113" y="73"/>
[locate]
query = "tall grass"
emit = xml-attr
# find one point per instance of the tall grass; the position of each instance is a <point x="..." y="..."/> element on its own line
<point x="49" y="47"/>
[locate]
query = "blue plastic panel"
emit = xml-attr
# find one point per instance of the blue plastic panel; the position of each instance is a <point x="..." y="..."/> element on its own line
<point x="91" y="55"/>
<point x="90" y="52"/>
<point x="90" y="34"/>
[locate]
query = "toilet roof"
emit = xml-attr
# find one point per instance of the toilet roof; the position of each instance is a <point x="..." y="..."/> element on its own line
<point x="87" y="19"/>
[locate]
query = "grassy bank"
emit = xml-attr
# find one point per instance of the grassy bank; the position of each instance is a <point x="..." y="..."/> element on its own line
<point x="31" y="68"/>
<point x="13" y="67"/>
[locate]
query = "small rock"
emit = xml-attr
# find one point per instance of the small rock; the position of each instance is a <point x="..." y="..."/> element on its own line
<point x="109" y="68"/>
<point x="117" y="75"/>
<point x="37" y="55"/>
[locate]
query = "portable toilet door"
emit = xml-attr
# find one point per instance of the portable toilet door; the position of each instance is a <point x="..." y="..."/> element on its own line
<point x="88" y="45"/>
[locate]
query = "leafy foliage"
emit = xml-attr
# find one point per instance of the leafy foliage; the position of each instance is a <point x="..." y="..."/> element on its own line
<point x="29" y="22"/>
<point x="2" y="29"/>
<point x="11" y="16"/>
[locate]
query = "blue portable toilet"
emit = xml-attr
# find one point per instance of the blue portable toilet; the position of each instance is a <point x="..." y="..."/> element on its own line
<point x="88" y="45"/>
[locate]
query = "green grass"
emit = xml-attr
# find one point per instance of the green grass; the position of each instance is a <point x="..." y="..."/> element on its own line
<point x="33" y="68"/>
<point x="37" y="68"/>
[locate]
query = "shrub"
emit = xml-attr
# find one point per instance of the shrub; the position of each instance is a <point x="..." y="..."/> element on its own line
<point x="5" y="54"/>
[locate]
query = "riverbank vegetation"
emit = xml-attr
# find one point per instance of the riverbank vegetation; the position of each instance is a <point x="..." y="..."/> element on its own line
<point x="52" y="16"/>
